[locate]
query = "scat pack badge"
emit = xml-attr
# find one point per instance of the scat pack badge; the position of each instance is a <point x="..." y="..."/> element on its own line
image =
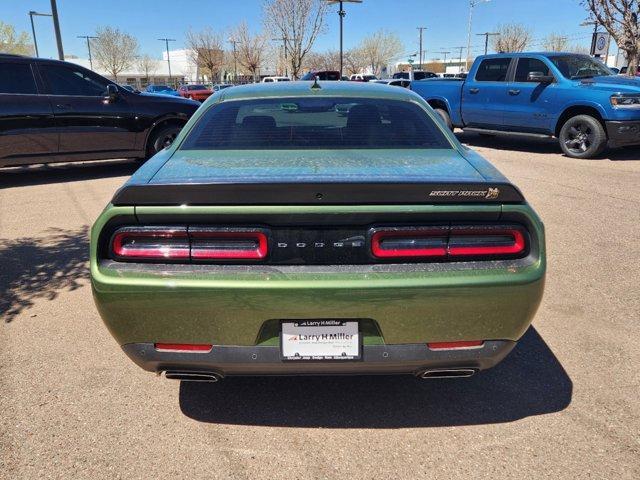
<point x="490" y="194"/>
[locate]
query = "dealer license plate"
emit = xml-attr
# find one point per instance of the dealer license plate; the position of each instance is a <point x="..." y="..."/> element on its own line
<point x="320" y="340"/>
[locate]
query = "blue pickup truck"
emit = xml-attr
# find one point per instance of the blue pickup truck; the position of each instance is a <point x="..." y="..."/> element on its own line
<point x="569" y="96"/>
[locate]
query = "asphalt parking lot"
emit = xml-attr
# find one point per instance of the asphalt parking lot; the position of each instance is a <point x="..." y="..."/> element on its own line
<point x="564" y="404"/>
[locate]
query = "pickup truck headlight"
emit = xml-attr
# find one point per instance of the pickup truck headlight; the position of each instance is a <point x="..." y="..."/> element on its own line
<point x="622" y="100"/>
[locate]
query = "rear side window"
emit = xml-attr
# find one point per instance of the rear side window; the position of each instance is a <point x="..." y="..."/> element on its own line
<point x="70" y="81"/>
<point x="526" y="65"/>
<point x="493" y="70"/>
<point x="315" y="123"/>
<point x="17" y="78"/>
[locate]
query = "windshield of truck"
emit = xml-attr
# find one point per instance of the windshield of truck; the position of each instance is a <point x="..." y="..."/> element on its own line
<point x="315" y="123"/>
<point x="575" y="67"/>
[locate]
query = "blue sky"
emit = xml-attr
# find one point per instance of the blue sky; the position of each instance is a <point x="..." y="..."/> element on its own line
<point x="148" y="20"/>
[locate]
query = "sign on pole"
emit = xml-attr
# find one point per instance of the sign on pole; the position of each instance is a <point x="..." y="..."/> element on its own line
<point x="600" y="44"/>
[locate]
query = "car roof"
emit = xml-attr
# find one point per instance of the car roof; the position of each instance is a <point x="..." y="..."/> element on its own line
<point x="529" y="54"/>
<point x="303" y="88"/>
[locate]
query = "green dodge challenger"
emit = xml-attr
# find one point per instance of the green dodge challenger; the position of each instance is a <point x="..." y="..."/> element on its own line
<point x="317" y="228"/>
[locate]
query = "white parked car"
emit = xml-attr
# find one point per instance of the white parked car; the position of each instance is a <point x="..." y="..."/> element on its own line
<point x="359" y="77"/>
<point x="275" y="79"/>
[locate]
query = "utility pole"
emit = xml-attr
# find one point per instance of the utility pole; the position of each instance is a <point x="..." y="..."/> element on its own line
<point x="420" y="29"/>
<point x="486" y="39"/>
<point x="461" y="49"/>
<point x="444" y="64"/>
<point x="284" y="44"/>
<point x="33" y="28"/>
<point x="56" y="27"/>
<point x="88" y="47"/>
<point x="166" y="42"/>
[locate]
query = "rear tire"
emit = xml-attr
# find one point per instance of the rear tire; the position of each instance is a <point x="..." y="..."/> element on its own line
<point x="445" y="117"/>
<point x="162" y="138"/>
<point x="582" y="136"/>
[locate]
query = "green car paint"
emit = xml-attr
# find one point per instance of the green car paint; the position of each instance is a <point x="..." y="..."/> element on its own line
<point x="230" y="308"/>
<point x="395" y="305"/>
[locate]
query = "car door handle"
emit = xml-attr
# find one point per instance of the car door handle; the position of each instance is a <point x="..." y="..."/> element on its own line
<point x="474" y="90"/>
<point x="514" y="92"/>
<point x="64" y="106"/>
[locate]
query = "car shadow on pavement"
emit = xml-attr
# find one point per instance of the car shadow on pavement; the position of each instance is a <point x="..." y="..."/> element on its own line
<point x="65" y="172"/>
<point x="39" y="268"/>
<point x="521" y="143"/>
<point x="530" y="381"/>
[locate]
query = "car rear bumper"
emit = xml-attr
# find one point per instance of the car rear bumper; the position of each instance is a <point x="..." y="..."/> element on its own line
<point x="623" y="133"/>
<point x="266" y="360"/>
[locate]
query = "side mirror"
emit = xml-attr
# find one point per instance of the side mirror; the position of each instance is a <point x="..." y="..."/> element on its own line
<point x="539" y="77"/>
<point x="112" y="93"/>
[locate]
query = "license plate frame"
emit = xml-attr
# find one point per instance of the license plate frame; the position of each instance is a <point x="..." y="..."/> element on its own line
<point x="316" y="349"/>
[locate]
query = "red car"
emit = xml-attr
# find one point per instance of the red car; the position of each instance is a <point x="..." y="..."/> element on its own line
<point x="195" y="92"/>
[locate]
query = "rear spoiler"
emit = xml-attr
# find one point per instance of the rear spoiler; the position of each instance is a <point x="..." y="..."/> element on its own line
<point x="316" y="193"/>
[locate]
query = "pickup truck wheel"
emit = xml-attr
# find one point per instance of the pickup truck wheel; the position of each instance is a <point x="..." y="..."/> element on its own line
<point x="162" y="138"/>
<point x="445" y="117"/>
<point x="582" y="136"/>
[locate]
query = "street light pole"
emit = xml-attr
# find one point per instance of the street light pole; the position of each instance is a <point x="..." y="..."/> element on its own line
<point x="342" y="14"/>
<point x="486" y="39"/>
<point x="421" y="29"/>
<point x="33" y="28"/>
<point x="88" y="48"/>
<point x="56" y="27"/>
<point x="166" y="42"/>
<point x="235" y="59"/>
<point x="472" y="5"/>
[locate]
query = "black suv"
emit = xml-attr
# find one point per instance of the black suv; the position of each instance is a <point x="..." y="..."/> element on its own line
<point x="52" y="111"/>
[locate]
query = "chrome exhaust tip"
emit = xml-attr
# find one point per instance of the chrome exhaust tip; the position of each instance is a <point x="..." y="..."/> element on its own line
<point x="447" y="373"/>
<point x="193" y="376"/>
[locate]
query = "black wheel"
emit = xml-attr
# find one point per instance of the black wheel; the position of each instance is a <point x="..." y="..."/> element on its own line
<point x="582" y="136"/>
<point x="162" y="138"/>
<point x="445" y="117"/>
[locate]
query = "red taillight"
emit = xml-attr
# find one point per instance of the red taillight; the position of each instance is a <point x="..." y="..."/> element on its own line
<point x="478" y="241"/>
<point x="187" y="243"/>
<point x="227" y="244"/>
<point x="183" y="347"/>
<point x="409" y="242"/>
<point x="151" y="243"/>
<point x="448" y="242"/>
<point x="455" y="345"/>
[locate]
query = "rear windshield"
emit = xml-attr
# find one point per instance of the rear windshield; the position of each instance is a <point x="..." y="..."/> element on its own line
<point x="196" y="87"/>
<point x="315" y="123"/>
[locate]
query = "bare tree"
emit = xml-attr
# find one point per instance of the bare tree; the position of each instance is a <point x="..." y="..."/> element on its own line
<point x="329" y="60"/>
<point x="114" y="50"/>
<point x="298" y="23"/>
<point x="582" y="49"/>
<point x="555" y="43"/>
<point x="355" y="61"/>
<point x="251" y="48"/>
<point x="147" y="64"/>
<point x="380" y="48"/>
<point x="513" y="37"/>
<point x="205" y="51"/>
<point x="13" y="42"/>
<point x="621" y="18"/>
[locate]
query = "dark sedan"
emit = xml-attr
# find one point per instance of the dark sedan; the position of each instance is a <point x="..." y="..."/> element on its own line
<point x="52" y="111"/>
